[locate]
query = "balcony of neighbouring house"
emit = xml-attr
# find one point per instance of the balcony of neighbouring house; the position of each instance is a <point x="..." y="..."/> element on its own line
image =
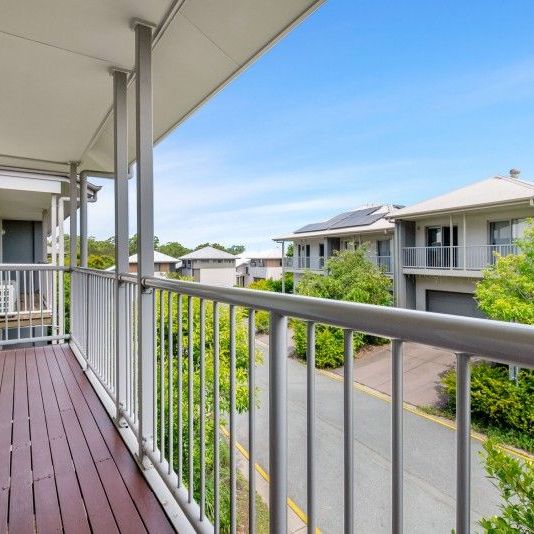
<point x="469" y="261"/>
<point x="317" y="263"/>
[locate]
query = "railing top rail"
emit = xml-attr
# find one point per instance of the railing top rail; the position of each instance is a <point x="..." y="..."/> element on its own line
<point x="431" y="247"/>
<point x="31" y="267"/>
<point x="97" y="272"/>
<point x="506" y="342"/>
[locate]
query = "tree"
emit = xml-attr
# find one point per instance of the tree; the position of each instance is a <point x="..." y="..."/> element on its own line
<point x="506" y="291"/>
<point x="515" y="481"/>
<point x="132" y="244"/>
<point x="174" y="249"/>
<point x="236" y="249"/>
<point x="349" y="276"/>
<point x="290" y="251"/>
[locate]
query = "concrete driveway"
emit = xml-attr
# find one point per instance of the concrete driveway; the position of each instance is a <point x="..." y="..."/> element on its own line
<point x="423" y="367"/>
<point x="429" y="452"/>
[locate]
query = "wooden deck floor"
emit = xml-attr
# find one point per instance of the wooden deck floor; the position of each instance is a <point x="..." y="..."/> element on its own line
<point x="63" y="465"/>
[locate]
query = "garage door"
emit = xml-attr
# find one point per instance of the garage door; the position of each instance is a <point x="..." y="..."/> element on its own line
<point x="452" y="303"/>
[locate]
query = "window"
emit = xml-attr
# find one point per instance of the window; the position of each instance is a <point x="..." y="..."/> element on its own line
<point x="505" y="232"/>
<point x="383" y="247"/>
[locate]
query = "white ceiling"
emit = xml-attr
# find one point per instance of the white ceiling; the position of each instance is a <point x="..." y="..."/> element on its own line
<point x="56" y="90"/>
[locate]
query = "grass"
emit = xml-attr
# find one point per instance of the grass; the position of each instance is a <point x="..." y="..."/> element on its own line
<point x="262" y="510"/>
<point x="511" y="437"/>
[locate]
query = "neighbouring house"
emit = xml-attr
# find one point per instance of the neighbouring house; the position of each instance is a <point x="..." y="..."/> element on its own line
<point x="209" y="265"/>
<point x="33" y="207"/>
<point x="314" y="243"/>
<point x="163" y="264"/>
<point x="253" y="266"/>
<point x="445" y="242"/>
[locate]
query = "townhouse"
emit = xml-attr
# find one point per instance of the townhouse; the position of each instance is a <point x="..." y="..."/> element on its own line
<point x="444" y="243"/>
<point x="314" y="243"/>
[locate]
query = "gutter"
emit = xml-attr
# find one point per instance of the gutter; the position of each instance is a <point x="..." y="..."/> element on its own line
<point x="421" y="215"/>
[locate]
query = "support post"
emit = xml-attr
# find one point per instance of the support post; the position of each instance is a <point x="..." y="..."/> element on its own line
<point x="464" y="227"/>
<point x="73" y="209"/>
<point x="52" y="298"/>
<point x="61" y="263"/>
<point x="399" y="283"/>
<point x="46" y="223"/>
<point x="463" y="444"/>
<point x="145" y="231"/>
<point x="283" y="267"/>
<point x="120" y="140"/>
<point x="451" y="243"/>
<point x="278" y="423"/>
<point x="83" y="220"/>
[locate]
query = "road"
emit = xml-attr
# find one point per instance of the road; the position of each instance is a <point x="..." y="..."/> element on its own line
<point x="429" y="459"/>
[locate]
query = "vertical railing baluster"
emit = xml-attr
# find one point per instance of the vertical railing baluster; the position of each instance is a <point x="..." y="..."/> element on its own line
<point x="396" y="436"/>
<point x="154" y="370"/>
<point x="161" y="376"/>
<point x="18" y="287"/>
<point x="278" y="422"/>
<point x="202" y="356"/>
<point x="170" y="352"/>
<point x="41" y="314"/>
<point x="190" y="400"/>
<point x="463" y="443"/>
<point x="310" y="401"/>
<point x="216" y="419"/>
<point x="179" y="365"/>
<point x="233" y="463"/>
<point x="348" y="431"/>
<point x="251" y="421"/>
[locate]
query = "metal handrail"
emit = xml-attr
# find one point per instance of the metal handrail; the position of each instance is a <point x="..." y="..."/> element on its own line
<point x="467" y="337"/>
<point x="506" y="342"/>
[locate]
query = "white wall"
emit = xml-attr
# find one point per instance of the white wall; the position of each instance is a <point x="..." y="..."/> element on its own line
<point x="216" y="277"/>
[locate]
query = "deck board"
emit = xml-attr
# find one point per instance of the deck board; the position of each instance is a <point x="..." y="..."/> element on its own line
<point x="148" y="506"/>
<point x="21" y="498"/>
<point x="6" y="417"/>
<point x="63" y="465"/>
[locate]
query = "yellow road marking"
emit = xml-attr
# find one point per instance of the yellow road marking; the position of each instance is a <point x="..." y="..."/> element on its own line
<point x="417" y="411"/>
<point x="290" y="502"/>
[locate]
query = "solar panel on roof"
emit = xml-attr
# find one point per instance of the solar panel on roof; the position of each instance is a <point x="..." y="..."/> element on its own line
<point x="361" y="217"/>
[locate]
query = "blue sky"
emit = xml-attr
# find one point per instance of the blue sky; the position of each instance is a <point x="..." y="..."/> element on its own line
<point x="365" y="102"/>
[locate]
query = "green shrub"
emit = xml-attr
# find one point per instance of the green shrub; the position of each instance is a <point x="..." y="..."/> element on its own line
<point x="329" y="344"/>
<point x="350" y="276"/>
<point x="515" y="482"/>
<point x="496" y="401"/>
<point x="262" y="322"/>
<point x="241" y="350"/>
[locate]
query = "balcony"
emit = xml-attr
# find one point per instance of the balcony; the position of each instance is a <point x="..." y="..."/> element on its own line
<point x="453" y="261"/>
<point x="317" y="263"/>
<point x="304" y="263"/>
<point x="160" y="398"/>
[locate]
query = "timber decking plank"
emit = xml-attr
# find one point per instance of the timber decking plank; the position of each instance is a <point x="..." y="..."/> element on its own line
<point x="21" y="492"/>
<point x="73" y="514"/>
<point x="124" y="510"/>
<point x="6" y="417"/>
<point x="146" y="502"/>
<point x="95" y="499"/>
<point x="47" y="513"/>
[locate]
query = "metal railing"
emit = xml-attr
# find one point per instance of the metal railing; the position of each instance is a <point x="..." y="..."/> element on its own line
<point x="32" y="303"/>
<point x="314" y="263"/>
<point x="317" y="263"/>
<point x="201" y="362"/>
<point x="470" y="258"/>
<point x="93" y="322"/>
